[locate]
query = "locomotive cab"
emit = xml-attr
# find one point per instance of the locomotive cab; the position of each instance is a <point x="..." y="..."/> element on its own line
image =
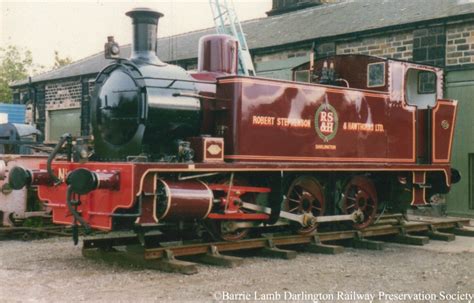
<point x="416" y="87"/>
<point x="421" y="84"/>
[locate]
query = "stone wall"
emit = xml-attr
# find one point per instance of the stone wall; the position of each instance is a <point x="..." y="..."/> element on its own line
<point x="282" y="55"/>
<point x="396" y="45"/>
<point x="325" y="49"/>
<point x="429" y="45"/>
<point x="459" y="44"/>
<point x="63" y="94"/>
<point x="321" y="50"/>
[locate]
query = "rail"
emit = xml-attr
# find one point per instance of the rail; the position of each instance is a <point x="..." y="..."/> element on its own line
<point x="164" y="257"/>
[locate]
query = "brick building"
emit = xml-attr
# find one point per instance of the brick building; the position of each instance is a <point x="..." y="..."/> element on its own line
<point x="437" y="32"/>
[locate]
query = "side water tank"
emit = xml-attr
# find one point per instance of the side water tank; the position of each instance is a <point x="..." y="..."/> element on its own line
<point x="218" y="54"/>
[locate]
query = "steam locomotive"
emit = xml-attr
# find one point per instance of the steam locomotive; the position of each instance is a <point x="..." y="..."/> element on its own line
<point x="17" y="147"/>
<point x="211" y="151"/>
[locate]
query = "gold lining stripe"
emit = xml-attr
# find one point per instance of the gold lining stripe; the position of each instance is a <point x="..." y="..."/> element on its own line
<point x="210" y="200"/>
<point x="168" y="193"/>
<point x="280" y="83"/>
<point x="261" y="157"/>
<point x="454" y="104"/>
<point x="424" y="189"/>
<point x="151" y="170"/>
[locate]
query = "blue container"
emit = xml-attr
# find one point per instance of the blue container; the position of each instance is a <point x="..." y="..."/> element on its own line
<point x="13" y="113"/>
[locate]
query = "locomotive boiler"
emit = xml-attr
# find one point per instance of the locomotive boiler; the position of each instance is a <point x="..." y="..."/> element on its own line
<point x="212" y="152"/>
<point x="138" y="106"/>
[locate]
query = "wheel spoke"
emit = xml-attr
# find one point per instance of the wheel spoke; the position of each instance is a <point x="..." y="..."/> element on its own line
<point x="298" y="194"/>
<point x="359" y="194"/>
<point x="294" y="200"/>
<point x="293" y="209"/>
<point x="306" y="193"/>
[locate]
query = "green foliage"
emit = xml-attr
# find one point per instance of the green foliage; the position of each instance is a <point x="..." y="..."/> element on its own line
<point x="15" y="64"/>
<point x="59" y="62"/>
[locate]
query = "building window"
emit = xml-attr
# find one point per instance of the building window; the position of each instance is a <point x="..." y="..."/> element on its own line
<point x="471" y="181"/>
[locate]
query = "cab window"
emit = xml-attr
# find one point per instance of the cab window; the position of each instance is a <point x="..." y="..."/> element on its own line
<point x="376" y="74"/>
<point x="302" y="76"/>
<point x="421" y="88"/>
<point x="426" y="82"/>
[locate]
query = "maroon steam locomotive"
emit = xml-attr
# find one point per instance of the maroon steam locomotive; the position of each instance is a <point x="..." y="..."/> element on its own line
<point x="217" y="152"/>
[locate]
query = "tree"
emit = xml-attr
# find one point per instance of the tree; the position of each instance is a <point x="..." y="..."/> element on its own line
<point x="59" y="62"/>
<point x="15" y="64"/>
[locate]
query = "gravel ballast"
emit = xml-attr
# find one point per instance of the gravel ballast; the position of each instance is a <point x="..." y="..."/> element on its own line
<point x="53" y="270"/>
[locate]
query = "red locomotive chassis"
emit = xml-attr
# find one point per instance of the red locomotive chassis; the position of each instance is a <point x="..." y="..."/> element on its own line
<point x="140" y="179"/>
<point x="364" y="126"/>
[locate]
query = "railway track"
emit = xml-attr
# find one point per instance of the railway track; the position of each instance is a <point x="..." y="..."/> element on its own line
<point x="183" y="257"/>
<point x="30" y="233"/>
<point x="26" y="233"/>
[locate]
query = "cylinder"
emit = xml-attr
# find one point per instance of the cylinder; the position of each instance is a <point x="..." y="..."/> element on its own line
<point x="183" y="200"/>
<point x="218" y="54"/>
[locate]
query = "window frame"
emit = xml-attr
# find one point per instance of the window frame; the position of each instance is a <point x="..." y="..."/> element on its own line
<point x="383" y="77"/>
<point x="295" y="72"/>
<point x="434" y="91"/>
<point x="405" y="85"/>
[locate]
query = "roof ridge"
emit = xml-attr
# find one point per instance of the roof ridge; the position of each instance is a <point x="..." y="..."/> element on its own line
<point x="192" y="32"/>
<point x="63" y="67"/>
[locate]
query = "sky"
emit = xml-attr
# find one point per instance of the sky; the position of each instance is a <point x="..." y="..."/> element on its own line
<point x="78" y="29"/>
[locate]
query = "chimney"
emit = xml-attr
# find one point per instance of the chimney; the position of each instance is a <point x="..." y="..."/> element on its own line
<point x="145" y="29"/>
<point x="285" y="6"/>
